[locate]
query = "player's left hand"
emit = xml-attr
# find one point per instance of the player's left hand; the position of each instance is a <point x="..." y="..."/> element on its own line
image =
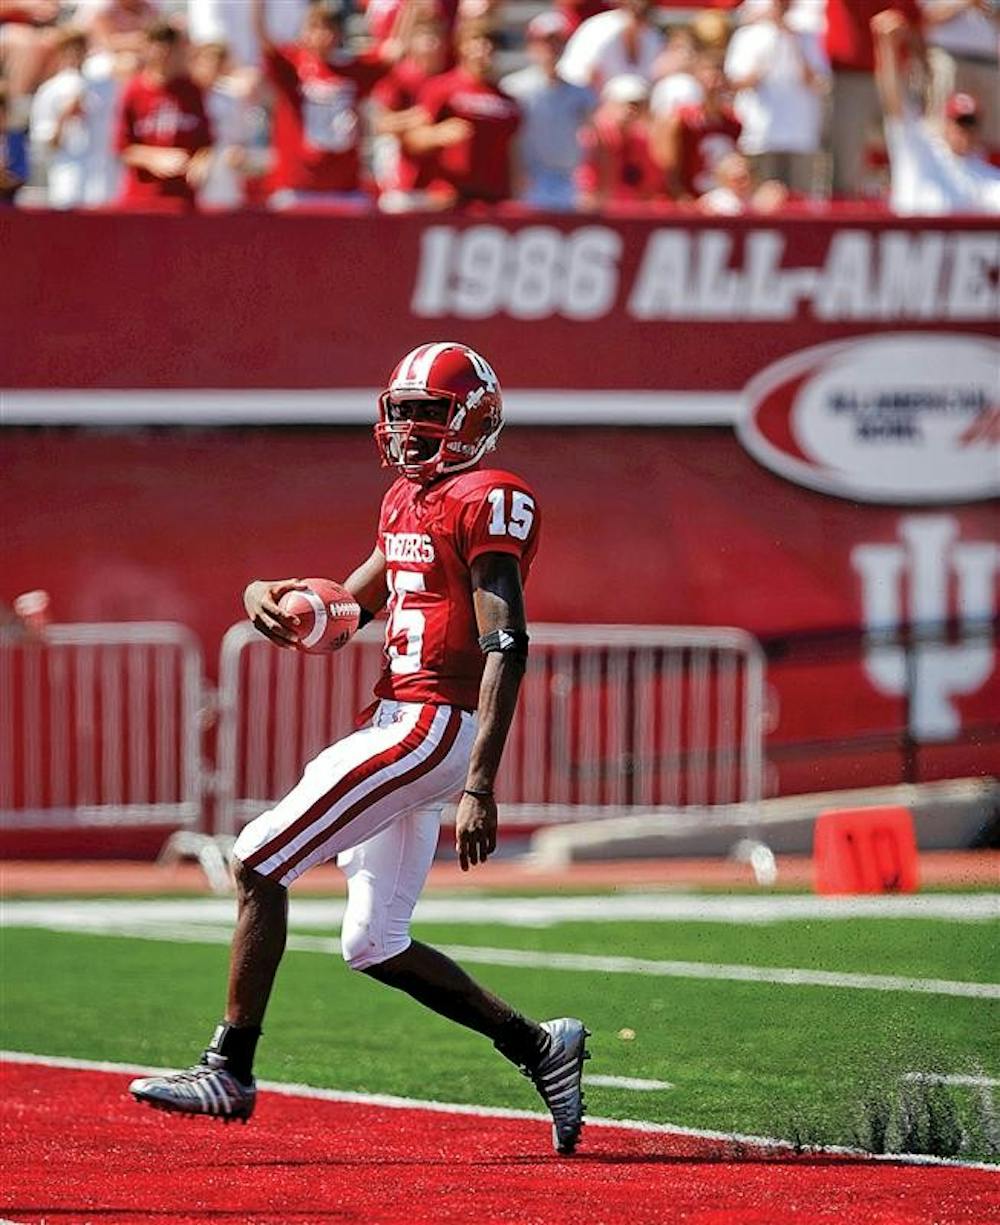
<point x="475" y="829"/>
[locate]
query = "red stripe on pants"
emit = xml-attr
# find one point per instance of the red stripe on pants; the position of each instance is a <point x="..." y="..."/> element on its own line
<point x="388" y="757"/>
<point x="441" y="751"/>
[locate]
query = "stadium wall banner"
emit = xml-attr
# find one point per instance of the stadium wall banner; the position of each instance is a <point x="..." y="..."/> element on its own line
<point x="831" y="388"/>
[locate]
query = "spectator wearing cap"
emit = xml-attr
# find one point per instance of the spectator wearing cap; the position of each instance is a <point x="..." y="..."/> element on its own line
<point x="164" y="136"/>
<point x="317" y="120"/>
<point x="690" y="141"/>
<point x="553" y="114"/>
<point x="935" y="168"/>
<point x="402" y="173"/>
<point x="472" y="124"/>
<point x="962" y="39"/>
<point x="621" y="42"/>
<point x="780" y="76"/>
<point x="618" y="166"/>
<point x="736" y="191"/>
<point x="60" y="132"/>
<point x="855" y="105"/>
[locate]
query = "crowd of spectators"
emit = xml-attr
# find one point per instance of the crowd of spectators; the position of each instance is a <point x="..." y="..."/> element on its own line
<point x="410" y="105"/>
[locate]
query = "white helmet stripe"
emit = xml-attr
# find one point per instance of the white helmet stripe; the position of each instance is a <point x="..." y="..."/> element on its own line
<point x="406" y="365"/>
<point x="423" y="365"/>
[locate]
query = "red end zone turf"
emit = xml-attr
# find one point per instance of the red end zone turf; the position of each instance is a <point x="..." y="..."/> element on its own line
<point x="76" y="1149"/>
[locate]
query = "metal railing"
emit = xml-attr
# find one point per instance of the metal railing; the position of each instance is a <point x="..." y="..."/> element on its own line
<point x="99" y="725"/>
<point x="611" y="719"/>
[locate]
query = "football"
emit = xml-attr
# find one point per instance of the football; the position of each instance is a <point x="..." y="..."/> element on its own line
<point x="328" y="615"/>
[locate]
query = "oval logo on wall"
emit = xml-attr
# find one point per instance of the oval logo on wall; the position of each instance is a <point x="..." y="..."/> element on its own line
<point x="899" y="417"/>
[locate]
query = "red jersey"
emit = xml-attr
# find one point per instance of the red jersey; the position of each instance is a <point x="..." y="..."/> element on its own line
<point x="849" y="41"/>
<point x="316" y="121"/>
<point x="169" y="115"/>
<point x="704" y="142"/>
<point x="430" y="535"/>
<point x="398" y="91"/>
<point x="477" y="168"/>
<point x="617" y="161"/>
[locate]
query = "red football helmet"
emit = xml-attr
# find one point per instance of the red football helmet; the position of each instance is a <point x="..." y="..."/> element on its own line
<point x="441" y="412"/>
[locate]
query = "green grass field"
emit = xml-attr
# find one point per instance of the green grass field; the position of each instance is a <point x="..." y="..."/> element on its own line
<point x="823" y="1064"/>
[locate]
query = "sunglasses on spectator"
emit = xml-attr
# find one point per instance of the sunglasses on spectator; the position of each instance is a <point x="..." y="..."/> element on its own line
<point x="966" y="121"/>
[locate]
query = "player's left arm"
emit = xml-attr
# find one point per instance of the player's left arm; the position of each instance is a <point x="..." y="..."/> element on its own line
<point x="498" y="599"/>
<point x="368" y="586"/>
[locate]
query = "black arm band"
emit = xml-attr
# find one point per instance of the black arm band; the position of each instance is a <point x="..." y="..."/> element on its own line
<point x="508" y="642"/>
<point x="364" y="617"/>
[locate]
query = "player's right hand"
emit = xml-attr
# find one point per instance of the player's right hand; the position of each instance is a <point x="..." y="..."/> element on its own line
<point x="260" y="599"/>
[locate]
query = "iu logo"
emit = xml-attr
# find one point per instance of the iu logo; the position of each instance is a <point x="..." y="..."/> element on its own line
<point x="913" y="582"/>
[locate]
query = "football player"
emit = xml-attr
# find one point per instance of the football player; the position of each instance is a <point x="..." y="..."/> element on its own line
<point x="455" y="543"/>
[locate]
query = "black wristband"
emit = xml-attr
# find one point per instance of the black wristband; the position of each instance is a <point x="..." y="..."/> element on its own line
<point x="508" y="642"/>
<point x="364" y="617"/>
<point x="480" y="795"/>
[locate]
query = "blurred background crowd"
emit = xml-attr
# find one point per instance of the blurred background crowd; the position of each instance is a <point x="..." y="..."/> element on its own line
<point x="406" y="105"/>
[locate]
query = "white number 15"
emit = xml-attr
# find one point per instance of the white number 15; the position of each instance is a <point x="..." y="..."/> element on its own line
<point x="522" y="513"/>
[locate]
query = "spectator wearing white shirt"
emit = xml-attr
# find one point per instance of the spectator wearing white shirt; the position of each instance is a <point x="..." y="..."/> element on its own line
<point x="228" y="107"/>
<point x="736" y="192"/>
<point x="962" y="37"/>
<point x="621" y="42"/>
<point x="676" y="83"/>
<point x="553" y="112"/>
<point x="59" y="129"/>
<point x="780" y="76"/>
<point x="231" y="22"/>
<point x="935" y="167"/>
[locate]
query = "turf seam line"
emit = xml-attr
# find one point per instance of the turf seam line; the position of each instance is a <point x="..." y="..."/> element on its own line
<point x="394" y="1102"/>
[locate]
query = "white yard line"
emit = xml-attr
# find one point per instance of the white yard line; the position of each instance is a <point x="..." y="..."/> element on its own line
<point x="393" y="1102"/>
<point x="730" y="973"/>
<point x="540" y="911"/>
<point x="938" y="1078"/>
<point x="195" y="933"/>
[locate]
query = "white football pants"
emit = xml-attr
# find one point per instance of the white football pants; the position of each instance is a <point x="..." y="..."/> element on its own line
<point x="373" y="800"/>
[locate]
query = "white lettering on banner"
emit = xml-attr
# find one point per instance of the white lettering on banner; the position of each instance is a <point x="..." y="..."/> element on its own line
<point x="919" y="574"/>
<point x="896" y="417"/>
<point x="531" y="273"/>
<point x="538" y="271"/>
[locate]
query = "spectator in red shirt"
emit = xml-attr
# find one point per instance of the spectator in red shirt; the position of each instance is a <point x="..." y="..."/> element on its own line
<point x="618" y="166"/>
<point x="856" y="109"/>
<point x="164" y="135"/>
<point x="317" y="123"/>
<point x="691" y="141"/>
<point x="402" y="174"/>
<point x="472" y="124"/>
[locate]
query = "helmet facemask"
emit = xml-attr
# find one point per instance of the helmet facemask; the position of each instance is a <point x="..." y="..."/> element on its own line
<point x="415" y="434"/>
<point x="412" y="430"/>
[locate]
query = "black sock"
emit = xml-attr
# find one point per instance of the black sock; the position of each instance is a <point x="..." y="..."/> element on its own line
<point x="236" y="1044"/>
<point x="521" y="1041"/>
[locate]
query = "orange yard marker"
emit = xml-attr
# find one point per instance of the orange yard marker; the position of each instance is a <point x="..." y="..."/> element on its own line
<point x="865" y="850"/>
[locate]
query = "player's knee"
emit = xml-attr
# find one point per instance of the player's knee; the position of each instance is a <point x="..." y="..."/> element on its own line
<point x="365" y="943"/>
